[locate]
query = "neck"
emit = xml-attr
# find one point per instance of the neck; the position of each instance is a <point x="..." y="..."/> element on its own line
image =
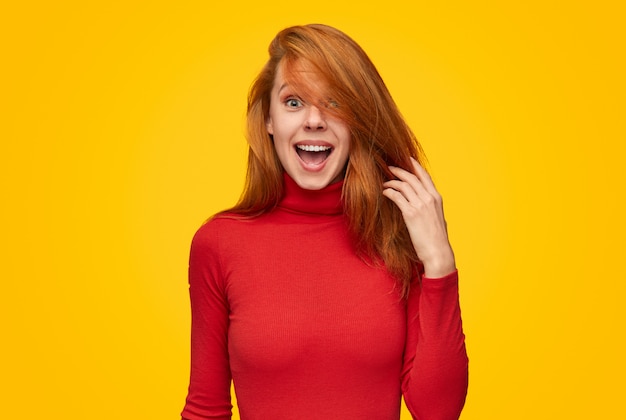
<point x="326" y="201"/>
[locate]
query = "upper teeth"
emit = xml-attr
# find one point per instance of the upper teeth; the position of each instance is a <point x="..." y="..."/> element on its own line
<point x="309" y="148"/>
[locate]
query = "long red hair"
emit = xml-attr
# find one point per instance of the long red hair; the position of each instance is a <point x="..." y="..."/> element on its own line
<point x="379" y="137"/>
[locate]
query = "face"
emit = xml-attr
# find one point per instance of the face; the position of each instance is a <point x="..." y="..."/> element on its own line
<point x="311" y="145"/>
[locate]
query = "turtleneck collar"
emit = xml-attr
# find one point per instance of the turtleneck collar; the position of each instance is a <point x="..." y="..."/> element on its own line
<point x="326" y="201"/>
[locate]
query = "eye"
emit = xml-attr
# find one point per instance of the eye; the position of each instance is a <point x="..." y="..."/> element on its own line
<point x="293" y="103"/>
<point x="331" y="103"/>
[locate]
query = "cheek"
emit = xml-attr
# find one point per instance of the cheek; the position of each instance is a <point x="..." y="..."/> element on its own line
<point x="281" y="141"/>
<point x="348" y="145"/>
<point x="346" y="138"/>
<point x="284" y="130"/>
<point x="346" y="157"/>
<point x="343" y="132"/>
<point x="281" y="146"/>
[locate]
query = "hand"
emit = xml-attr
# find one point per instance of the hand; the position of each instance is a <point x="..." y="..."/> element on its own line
<point x="422" y="210"/>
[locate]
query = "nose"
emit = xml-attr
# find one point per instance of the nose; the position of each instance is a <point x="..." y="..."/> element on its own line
<point x="315" y="120"/>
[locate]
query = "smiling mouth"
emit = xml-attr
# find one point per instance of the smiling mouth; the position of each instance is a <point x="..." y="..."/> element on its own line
<point x="313" y="155"/>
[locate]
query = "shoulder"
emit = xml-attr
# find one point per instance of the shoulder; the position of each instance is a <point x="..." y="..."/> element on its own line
<point x="221" y="229"/>
<point x="210" y="232"/>
<point x="208" y="246"/>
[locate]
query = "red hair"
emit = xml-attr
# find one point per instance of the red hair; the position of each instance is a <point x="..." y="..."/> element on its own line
<point x="379" y="137"/>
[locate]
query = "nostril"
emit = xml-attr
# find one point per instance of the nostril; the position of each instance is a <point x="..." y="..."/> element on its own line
<point x="317" y="126"/>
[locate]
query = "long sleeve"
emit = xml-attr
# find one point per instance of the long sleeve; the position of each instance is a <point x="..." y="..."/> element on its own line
<point x="209" y="387"/>
<point x="284" y="308"/>
<point x="435" y="369"/>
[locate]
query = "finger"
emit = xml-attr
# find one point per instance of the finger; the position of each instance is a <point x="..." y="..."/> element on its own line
<point x="424" y="177"/>
<point x="404" y="175"/>
<point x="398" y="198"/>
<point x="407" y="190"/>
<point x="412" y="180"/>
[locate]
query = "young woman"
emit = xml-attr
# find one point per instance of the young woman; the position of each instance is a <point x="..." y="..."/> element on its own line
<point x="330" y="290"/>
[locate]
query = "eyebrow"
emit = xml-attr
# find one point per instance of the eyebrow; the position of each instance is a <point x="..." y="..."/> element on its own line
<point x="284" y="85"/>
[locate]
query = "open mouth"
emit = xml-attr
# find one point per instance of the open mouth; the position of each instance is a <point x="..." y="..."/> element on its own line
<point x="313" y="155"/>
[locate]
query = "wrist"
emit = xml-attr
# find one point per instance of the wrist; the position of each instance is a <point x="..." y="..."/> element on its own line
<point x="439" y="264"/>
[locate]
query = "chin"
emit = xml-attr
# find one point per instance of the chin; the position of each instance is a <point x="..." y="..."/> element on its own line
<point x="311" y="185"/>
<point x="312" y="182"/>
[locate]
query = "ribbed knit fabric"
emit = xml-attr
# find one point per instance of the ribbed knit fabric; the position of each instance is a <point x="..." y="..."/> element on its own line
<point x="306" y="330"/>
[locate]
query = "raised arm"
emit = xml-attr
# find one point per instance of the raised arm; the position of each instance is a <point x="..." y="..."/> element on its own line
<point x="435" y="370"/>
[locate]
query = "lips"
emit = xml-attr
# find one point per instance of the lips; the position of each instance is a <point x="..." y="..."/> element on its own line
<point x="313" y="155"/>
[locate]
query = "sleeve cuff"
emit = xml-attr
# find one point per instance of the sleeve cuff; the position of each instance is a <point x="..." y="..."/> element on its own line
<point x="441" y="282"/>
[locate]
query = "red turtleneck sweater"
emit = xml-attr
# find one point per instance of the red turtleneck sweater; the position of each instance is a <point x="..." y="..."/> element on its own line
<point x="282" y="305"/>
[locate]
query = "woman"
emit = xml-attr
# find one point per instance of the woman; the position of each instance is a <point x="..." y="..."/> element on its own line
<point x="330" y="290"/>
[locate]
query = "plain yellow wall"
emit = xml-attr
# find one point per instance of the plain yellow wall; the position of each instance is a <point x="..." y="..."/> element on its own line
<point x="121" y="129"/>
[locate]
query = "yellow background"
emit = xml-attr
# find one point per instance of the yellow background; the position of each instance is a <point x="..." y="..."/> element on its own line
<point x="121" y="129"/>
